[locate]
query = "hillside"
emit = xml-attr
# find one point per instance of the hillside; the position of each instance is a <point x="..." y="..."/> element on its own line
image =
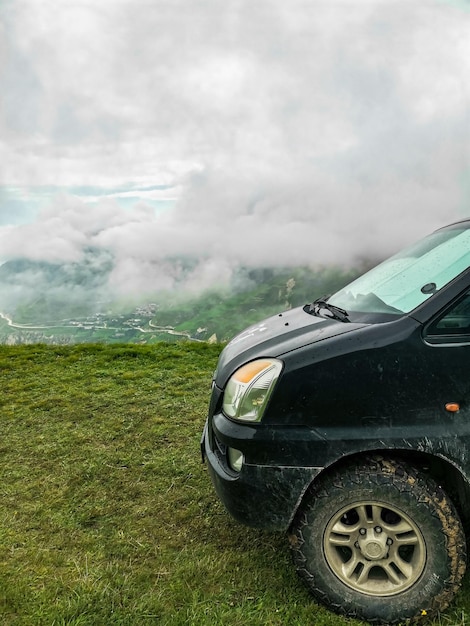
<point x="54" y="318"/>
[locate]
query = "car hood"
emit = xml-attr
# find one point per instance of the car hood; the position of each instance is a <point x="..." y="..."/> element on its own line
<point x="276" y="336"/>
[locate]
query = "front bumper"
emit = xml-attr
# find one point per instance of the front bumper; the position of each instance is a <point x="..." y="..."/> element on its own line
<point x="262" y="496"/>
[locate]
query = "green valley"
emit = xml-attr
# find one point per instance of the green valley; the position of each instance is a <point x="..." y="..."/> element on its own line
<point x="214" y="315"/>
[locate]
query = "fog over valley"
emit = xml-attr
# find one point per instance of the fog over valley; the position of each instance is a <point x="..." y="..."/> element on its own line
<point x="163" y="148"/>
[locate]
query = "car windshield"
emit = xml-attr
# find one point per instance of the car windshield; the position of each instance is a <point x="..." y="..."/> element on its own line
<point x="403" y="282"/>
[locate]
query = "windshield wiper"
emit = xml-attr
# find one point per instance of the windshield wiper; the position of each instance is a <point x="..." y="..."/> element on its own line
<point x="322" y="304"/>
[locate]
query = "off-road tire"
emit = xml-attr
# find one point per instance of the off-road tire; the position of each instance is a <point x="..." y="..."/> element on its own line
<point x="407" y="562"/>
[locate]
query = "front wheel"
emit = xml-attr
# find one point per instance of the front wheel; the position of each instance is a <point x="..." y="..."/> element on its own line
<point x="380" y="541"/>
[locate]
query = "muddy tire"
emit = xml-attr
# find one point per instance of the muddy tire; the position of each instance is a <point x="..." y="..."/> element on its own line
<point x="379" y="541"/>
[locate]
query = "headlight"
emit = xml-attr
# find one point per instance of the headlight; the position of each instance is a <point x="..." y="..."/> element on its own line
<point x="248" y="390"/>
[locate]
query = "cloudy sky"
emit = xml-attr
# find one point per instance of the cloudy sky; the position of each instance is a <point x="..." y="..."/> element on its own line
<point x="237" y="132"/>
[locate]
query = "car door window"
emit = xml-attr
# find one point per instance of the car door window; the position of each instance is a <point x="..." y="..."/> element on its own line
<point x="453" y="326"/>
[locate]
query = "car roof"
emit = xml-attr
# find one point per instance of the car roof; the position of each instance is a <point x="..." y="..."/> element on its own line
<point x="464" y="222"/>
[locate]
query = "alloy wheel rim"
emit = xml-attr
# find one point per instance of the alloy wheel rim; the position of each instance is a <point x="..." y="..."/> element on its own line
<point x="374" y="548"/>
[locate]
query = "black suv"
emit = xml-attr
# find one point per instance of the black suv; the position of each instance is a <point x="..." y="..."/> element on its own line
<point x="346" y="422"/>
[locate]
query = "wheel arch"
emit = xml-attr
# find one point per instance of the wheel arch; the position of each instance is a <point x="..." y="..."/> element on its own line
<point x="449" y="476"/>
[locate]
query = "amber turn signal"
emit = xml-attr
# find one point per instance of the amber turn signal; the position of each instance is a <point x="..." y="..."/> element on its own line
<point x="452" y="407"/>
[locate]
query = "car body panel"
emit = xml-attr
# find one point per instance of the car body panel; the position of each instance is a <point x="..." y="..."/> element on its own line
<point x="275" y="336"/>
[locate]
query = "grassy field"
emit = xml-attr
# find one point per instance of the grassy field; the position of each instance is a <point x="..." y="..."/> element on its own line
<point x="107" y="515"/>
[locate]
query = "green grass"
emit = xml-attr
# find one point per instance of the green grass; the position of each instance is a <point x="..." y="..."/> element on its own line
<point x="107" y="515"/>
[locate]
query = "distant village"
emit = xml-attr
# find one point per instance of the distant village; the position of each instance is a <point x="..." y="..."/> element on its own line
<point x="142" y="313"/>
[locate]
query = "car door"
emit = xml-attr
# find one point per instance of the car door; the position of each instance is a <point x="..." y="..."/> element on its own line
<point x="447" y="350"/>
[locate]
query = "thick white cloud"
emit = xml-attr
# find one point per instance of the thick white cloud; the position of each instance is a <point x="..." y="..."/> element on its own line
<point x="293" y="132"/>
